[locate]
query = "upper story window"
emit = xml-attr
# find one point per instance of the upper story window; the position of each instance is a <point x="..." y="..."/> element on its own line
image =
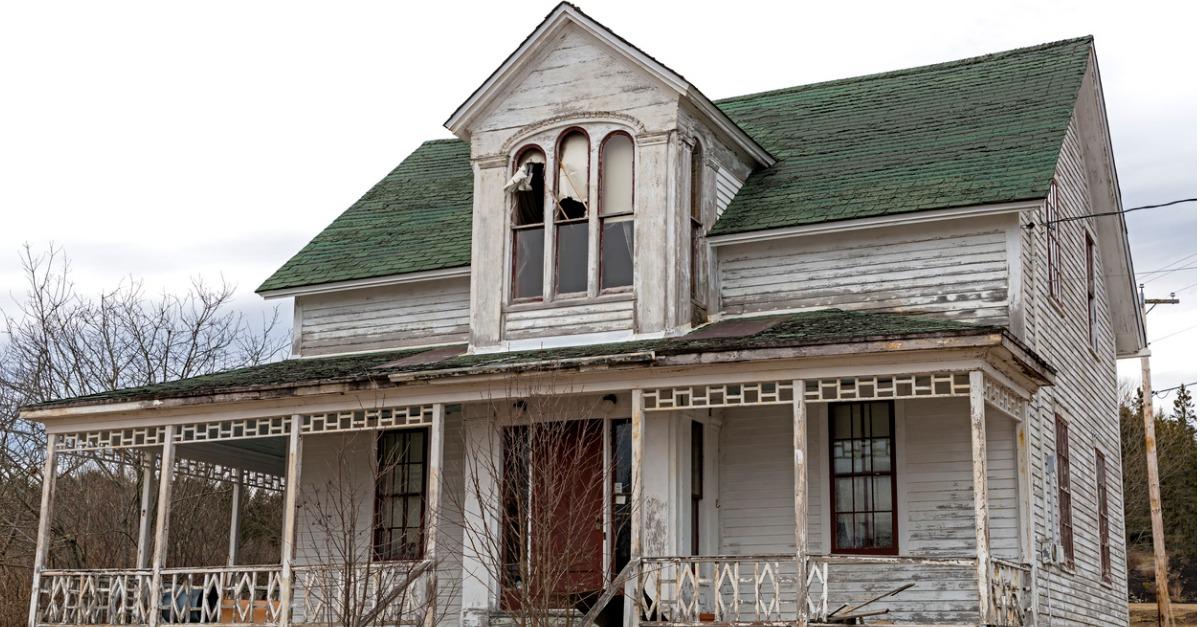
<point x="697" y="218"/>
<point x="1053" y="243"/>
<point x="528" y="187"/>
<point x="576" y="227"/>
<point x="1092" y="311"/>
<point x="1102" y="522"/>
<point x="1062" y="452"/>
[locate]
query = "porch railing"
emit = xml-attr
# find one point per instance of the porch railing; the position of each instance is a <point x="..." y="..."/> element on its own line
<point x="232" y="596"/>
<point x="765" y="590"/>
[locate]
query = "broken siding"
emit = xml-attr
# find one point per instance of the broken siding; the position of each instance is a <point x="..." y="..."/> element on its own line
<point x="1085" y="394"/>
<point x="592" y="317"/>
<point x="953" y="269"/>
<point x="418" y="314"/>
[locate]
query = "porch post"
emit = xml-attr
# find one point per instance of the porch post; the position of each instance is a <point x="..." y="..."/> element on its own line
<point x="147" y="502"/>
<point x="235" y="520"/>
<point x="483" y="471"/>
<point x="288" y="536"/>
<point x="637" y="432"/>
<point x="50" y="469"/>
<point x="800" y="496"/>
<point x="162" y="522"/>
<point x="979" y="482"/>
<point x="433" y="509"/>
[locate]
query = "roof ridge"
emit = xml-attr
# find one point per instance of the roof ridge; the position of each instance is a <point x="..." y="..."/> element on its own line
<point x="991" y="56"/>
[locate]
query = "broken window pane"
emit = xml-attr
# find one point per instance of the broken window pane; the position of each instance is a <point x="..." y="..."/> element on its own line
<point x="573" y="173"/>
<point x="528" y="246"/>
<point x="617" y="178"/>
<point x="572" y="248"/>
<point x="616" y="254"/>
<point x="528" y="186"/>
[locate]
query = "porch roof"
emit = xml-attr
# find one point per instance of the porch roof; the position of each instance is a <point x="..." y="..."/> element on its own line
<point x="814" y="328"/>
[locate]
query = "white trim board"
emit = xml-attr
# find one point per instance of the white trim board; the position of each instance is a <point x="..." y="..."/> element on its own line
<point x="356" y="284"/>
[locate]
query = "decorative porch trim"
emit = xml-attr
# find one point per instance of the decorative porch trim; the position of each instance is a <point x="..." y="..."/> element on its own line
<point x="247" y="428"/>
<point x="188" y="467"/>
<point x="863" y="388"/>
<point x="1003" y="397"/>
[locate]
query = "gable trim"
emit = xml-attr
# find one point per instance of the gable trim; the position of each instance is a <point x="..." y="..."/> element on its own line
<point x="566" y="13"/>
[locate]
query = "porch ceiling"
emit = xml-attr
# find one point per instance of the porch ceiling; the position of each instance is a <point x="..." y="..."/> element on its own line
<point x="747" y="339"/>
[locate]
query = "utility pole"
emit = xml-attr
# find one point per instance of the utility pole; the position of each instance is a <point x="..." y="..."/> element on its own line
<point x="1162" y="592"/>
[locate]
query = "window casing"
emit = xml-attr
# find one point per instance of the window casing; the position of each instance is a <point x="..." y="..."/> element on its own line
<point x="1102" y="526"/>
<point x="400" y="490"/>
<point x="528" y="226"/>
<point x="696" y="219"/>
<point x="1092" y="311"/>
<point x="1062" y="450"/>
<point x="1053" y="243"/>
<point x="589" y="208"/>
<point x="863" y="476"/>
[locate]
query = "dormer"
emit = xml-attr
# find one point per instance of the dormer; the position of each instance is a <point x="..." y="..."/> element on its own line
<point x="596" y="171"/>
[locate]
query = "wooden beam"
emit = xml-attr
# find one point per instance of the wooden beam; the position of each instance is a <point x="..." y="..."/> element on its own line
<point x="147" y="503"/>
<point x="162" y="521"/>
<point x="433" y="508"/>
<point x="235" y="521"/>
<point x="637" y="431"/>
<point x="291" y="504"/>
<point x="49" y="472"/>
<point x="800" y="497"/>
<point x="1156" y="522"/>
<point x="979" y="484"/>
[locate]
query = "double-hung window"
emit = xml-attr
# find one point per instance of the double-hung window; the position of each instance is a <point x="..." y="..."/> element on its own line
<point x="400" y="495"/>
<point x="1092" y="310"/>
<point x="1053" y="243"/>
<point x="1062" y="450"/>
<point x="571" y="193"/>
<point x="862" y="454"/>
<point x="528" y="225"/>
<point x="696" y="219"/>
<point x="1102" y="516"/>
<point x="616" y="211"/>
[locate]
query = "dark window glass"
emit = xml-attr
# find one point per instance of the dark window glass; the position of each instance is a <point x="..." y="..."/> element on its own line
<point x="864" y="479"/>
<point x="514" y="497"/>
<point x="616" y="262"/>
<point x="697" y="221"/>
<point x="572" y="246"/>
<point x="400" y="495"/>
<point x="1066" y="530"/>
<point x="1093" y="336"/>
<point x="622" y="491"/>
<point x="697" y="482"/>
<point x="528" y="247"/>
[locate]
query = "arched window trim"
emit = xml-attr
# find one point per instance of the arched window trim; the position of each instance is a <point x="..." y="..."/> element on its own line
<point x="617" y="217"/>
<point x="559" y="223"/>
<point x="514" y="228"/>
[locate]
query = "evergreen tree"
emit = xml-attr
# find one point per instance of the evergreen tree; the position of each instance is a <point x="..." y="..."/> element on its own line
<point x="1184" y="410"/>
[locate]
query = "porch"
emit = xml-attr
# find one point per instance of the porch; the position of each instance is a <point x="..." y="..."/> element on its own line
<point x="725" y="578"/>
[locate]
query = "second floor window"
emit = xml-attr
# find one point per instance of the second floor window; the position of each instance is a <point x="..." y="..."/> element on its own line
<point x="1062" y="449"/>
<point x="1092" y="312"/>
<point x="1053" y="243"/>
<point x="1102" y="516"/>
<point x="697" y="220"/>
<point x="575" y="184"/>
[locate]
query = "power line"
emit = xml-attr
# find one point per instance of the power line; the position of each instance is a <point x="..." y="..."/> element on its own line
<point x="1111" y="213"/>
<point x="1165" y="391"/>
<point x="1167" y="271"/>
<point x="1187" y="328"/>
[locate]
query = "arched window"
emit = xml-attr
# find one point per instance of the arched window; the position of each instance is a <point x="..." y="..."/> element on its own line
<point x="528" y="186"/>
<point x="697" y="220"/>
<point x="616" y="211"/>
<point x="571" y="213"/>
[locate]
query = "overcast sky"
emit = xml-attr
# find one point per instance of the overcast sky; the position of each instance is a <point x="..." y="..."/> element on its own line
<point x="168" y="140"/>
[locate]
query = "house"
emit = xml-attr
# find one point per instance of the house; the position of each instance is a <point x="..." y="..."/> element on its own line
<point x="808" y="347"/>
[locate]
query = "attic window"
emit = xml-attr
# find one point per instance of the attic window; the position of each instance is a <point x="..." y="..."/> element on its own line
<point x="528" y="224"/>
<point x="616" y="211"/>
<point x="571" y="214"/>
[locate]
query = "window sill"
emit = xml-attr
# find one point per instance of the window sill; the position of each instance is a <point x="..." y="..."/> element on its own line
<point x="607" y="297"/>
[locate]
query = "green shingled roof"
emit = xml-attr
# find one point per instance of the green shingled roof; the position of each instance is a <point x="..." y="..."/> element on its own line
<point x="975" y="131"/>
<point x="829" y="326"/>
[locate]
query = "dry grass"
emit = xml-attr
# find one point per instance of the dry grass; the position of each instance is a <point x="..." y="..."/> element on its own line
<point x="1147" y="614"/>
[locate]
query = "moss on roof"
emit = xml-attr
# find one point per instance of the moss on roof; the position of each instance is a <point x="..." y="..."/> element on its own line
<point x="829" y="326"/>
<point x="981" y="130"/>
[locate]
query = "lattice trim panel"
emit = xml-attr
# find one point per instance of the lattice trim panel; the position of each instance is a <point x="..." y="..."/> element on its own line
<point x="1004" y="398"/>
<point x="189" y="467"/>
<point x="245" y="428"/>
<point x="891" y="387"/>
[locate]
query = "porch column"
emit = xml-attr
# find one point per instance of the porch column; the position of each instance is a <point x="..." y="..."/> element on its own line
<point x="483" y="467"/>
<point x="433" y="509"/>
<point x="235" y="519"/>
<point x="147" y="502"/>
<point x="979" y="483"/>
<point x="637" y="433"/>
<point x="800" y="496"/>
<point x="290" y="505"/>
<point x="49" y="471"/>
<point x="162" y="522"/>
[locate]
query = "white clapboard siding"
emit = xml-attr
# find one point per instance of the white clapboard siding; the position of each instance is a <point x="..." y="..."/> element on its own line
<point x="958" y="270"/>
<point x="418" y="314"/>
<point x="569" y="320"/>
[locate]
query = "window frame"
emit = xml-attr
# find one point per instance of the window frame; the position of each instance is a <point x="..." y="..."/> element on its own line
<point x="604" y="219"/>
<point x="696" y="221"/>
<point x="377" y="528"/>
<point x="514" y="228"/>
<point x="1093" y="311"/>
<point x="1062" y="457"/>
<point x="697" y="481"/>
<point x="555" y="223"/>
<point x="1053" y="213"/>
<point x="1103" y="522"/>
<point x="894" y="549"/>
